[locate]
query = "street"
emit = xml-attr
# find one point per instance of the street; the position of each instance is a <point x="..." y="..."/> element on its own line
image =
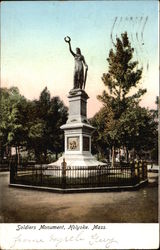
<point x="32" y="206"/>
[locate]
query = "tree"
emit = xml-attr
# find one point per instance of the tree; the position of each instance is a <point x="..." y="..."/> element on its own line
<point x="102" y="121"/>
<point x="138" y="129"/>
<point x="123" y="76"/>
<point x="36" y="127"/>
<point x="12" y="127"/>
<point x="32" y="125"/>
<point x="57" y="116"/>
<point x="46" y="116"/>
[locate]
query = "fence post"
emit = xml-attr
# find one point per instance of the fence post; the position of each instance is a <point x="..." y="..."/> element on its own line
<point x="136" y="167"/>
<point x="41" y="174"/>
<point x="145" y="170"/>
<point x="141" y="170"/>
<point x="12" y="172"/>
<point x="64" y="164"/>
<point x="132" y="166"/>
<point x="99" y="175"/>
<point x="143" y="177"/>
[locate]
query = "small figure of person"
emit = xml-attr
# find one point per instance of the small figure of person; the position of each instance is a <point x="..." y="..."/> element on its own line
<point x="64" y="165"/>
<point x="79" y="76"/>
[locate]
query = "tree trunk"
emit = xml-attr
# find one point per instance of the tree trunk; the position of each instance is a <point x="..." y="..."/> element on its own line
<point x="37" y="156"/>
<point x="16" y="160"/>
<point x="56" y="156"/>
<point x="127" y="154"/>
<point x="119" y="154"/>
<point x="134" y="155"/>
<point x="113" y="156"/>
<point x="9" y="154"/>
<point x="18" y="155"/>
<point x="45" y="156"/>
<point x="110" y="155"/>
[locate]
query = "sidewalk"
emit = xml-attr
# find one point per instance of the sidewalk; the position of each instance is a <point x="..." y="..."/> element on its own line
<point x="32" y="206"/>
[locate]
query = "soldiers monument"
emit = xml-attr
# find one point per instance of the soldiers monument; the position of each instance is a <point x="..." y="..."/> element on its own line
<point x="77" y="129"/>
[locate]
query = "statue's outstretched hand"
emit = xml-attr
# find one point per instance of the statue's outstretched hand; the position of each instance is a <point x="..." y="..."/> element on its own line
<point x="67" y="39"/>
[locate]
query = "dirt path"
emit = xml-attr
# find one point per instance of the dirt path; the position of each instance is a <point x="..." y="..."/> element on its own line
<point x="30" y="206"/>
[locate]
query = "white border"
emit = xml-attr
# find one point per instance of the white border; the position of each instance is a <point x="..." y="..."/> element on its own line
<point x="80" y="236"/>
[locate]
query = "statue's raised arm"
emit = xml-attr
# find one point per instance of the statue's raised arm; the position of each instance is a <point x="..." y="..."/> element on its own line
<point x="67" y="39"/>
<point x="79" y="76"/>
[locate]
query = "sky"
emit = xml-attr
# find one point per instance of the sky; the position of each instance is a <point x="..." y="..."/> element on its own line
<point x="34" y="54"/>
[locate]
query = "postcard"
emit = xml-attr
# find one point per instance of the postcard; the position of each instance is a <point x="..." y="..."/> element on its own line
<point x="79" y="125"/>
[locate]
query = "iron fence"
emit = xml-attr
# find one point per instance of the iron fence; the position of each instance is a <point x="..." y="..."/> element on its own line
<point x="79" y="177"/>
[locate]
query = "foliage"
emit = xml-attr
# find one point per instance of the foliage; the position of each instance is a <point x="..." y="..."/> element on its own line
<point x="128" y="125"/>
<point x="33" y="125"/>
<point x="102" y="121"/>
<point x="45" y="135"/>
<point x="12" y="126"/>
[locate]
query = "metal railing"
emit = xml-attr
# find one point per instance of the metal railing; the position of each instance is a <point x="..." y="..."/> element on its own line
<point x="79" y="177"/>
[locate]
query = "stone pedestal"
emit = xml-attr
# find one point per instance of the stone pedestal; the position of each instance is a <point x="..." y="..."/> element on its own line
<point x="77" y="133"/>
<point x="77" y="106"/>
